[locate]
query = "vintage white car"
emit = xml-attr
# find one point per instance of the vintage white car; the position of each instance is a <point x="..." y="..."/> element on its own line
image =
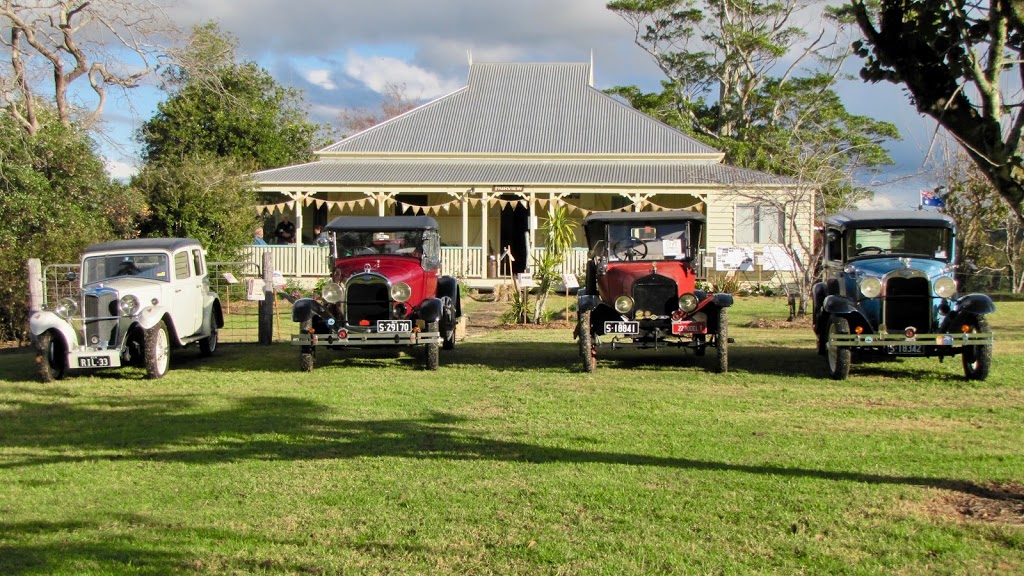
<point x="139" y="299"/>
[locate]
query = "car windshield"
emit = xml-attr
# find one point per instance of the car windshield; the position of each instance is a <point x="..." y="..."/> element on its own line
<point x="923" y="242"/>
<point x="143" y="265"/>
<point x="392" y="243"/>
<point x="649" y="241"/>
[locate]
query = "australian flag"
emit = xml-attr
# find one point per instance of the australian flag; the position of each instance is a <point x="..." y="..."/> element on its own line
<point x="929" y="198"/>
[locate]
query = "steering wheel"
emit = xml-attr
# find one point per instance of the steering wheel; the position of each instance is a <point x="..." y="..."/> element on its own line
<point x="632" y="248"/>
<point x="127" y="269"/>
<point x="864" y="249"/>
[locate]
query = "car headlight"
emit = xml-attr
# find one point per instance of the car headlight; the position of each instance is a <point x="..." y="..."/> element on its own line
<point x="623" y="304"/>
<point x="871" y="287"/>
<point x="332" y="292"/>
<point x="66" y="308"/>
<point x="944" y="286"/>
<point x="688" y="302"/>
<point x="129" y="305"/>
<point x="401" y="292"/>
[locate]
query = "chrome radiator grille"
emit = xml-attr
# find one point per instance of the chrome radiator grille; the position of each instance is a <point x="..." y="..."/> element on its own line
<point x="101" y="318"/>
<point x="908" y="302"/>
<point x="367" y="300"/>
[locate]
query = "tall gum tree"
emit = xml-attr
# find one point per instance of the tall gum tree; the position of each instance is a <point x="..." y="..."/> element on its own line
<point x="50" y="45"/>
<point x="961" y="61"/>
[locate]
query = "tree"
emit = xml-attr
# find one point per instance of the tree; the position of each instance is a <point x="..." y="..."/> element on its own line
<point x="395" y="102"/>
<point x="961" y="61"/>
<point x="207" y="198"/>
<point x="762" y="115"/>
<point x="55" y="199"/>
<point x="227" y="109"/>
<point x="990" y="237"/>
<point x="560" y="234"/>
<point x="107" y="43"/>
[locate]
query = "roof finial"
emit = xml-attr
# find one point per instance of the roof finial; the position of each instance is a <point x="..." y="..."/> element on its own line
<point x="469" y="57"/>
<point x="591" y="67"/>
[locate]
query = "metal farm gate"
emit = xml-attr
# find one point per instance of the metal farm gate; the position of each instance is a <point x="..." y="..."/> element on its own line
<point x="228" y="279"/>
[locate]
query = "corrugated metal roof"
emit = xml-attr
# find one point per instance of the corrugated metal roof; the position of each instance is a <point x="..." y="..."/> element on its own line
<point x="415" y="172"/>
<point x="520" y="109"/>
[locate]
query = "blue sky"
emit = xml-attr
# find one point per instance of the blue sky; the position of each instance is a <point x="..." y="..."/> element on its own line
<point x="342" y="53"/>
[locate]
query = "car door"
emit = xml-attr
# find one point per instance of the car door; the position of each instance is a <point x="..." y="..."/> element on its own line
<point x="187" y="295"/>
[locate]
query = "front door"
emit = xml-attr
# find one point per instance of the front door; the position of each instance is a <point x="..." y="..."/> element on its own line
<point x="515" y="226"/>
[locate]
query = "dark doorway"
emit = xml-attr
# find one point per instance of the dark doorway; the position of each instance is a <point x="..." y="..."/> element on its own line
<point x="515" y="225"/>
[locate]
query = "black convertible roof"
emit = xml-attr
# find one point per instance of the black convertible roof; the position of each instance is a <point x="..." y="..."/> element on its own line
<point x="382" y="223"/>
<point x="660" y="216"/>
<point x="141" y="244"/>
<point x="888" y="218"/>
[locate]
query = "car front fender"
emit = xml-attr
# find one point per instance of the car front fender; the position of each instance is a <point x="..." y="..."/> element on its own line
<point x="449" y="286"/>
<point x="305" y="308"/>
<point x="978" y="304"/>
<point x="585" y="301"/>
<point x="843" y="306"/>
<point x="430" y="310"/>
<point x="47" y="320"/>
<point x="150" y="315"/>
<point x="966" y="309"/>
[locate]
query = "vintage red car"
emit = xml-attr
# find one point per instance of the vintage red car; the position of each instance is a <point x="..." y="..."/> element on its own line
<point x="641" y="291"/>
<point x="386" y="289"/>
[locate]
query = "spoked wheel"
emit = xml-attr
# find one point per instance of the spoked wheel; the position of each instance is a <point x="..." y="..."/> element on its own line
<point x="839" y="357"/>
<point x="307" y="354"/>
<point x="51" y="356"/>
<point x="431" y="352"/>
<point x="208" y="345"/>
<point x="977" y="359"/>
<point x="448" y="323"/>
<point x="158" y="351"/>
<point x="722" y="341"/>
<point x="587" y="351"/>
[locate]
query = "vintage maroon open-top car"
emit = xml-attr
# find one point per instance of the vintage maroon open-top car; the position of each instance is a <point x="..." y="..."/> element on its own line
<point x="641" y="287"/>
<point x="385" y="290"/>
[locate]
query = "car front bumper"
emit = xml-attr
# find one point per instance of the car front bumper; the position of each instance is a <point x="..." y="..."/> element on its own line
<point x="935" y="344"/>
<point x="362" y="339"/>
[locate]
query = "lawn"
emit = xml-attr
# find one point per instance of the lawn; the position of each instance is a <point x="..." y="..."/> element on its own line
<point x="510" y="460"/>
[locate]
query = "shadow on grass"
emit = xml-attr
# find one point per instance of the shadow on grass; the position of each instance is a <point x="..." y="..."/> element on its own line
<point x="43" y="552"/>
<point x="286" y="429"/>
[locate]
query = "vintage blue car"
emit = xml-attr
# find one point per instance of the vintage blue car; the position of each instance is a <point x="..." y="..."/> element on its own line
<point x="889" y="288"/>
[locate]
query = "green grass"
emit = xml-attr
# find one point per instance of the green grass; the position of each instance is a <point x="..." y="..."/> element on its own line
<point x="509" y="460"/>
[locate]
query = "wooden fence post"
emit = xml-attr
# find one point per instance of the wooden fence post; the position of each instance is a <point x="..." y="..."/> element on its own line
<point x="35" y="293"/>
<point x="35" y="285"/>
<point x="266" y="313"/>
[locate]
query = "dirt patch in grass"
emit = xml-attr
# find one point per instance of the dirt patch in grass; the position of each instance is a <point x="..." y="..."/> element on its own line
<point x="802" y="323"/>
<point x="991" y="503"/>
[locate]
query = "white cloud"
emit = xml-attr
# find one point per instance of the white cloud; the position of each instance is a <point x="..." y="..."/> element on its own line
<point x="379" y="71"/>
<point x="321" y="78"/>
<point x="119" y="170"/>
<point x="878" y="202"/>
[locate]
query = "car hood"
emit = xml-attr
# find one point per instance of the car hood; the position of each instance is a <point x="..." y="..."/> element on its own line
<point x="143" y="288"/>
<point x="879" y="267"/>
<point x="394" y="269"/>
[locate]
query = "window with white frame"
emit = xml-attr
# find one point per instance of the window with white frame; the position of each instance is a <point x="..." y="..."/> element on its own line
<point x="759" y="224"/>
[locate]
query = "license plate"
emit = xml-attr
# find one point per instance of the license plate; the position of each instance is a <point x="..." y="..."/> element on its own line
<point x="394" y="325"/>
<point x="621" y="327"/>
<point x="689" y="328"/>
<point x="93" y="361"/>
<point x="910" y="349"/>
